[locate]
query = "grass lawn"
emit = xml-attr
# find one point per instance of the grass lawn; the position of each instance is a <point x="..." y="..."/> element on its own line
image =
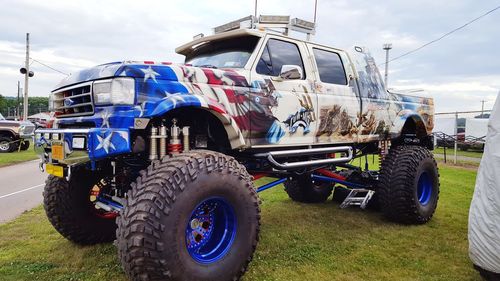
<point x="450" y="152"/>
<point x="298" y="242"/>
<point x="17" y="157"/>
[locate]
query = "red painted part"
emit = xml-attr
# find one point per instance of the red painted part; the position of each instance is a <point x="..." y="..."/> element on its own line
<point x="330" y="174"/>
<point x="258" y="176"/>
<point x="107" y="215"/>
<point x="174" y="148"/>
<point x="166" y="63"/>
<point x="149" y="62"/>
<point x="216" y="108"/>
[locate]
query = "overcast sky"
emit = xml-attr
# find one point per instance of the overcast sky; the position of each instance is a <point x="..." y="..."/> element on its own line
<point x="457" y="71"/>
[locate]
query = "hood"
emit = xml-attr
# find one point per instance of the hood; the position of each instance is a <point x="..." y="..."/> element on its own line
<point x="150" y="70"/>
<point x="96" y="72"/>
<point x="12" y="123"/>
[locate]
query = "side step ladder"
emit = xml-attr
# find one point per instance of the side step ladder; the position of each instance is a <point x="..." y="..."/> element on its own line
<point x="358" y="197"/>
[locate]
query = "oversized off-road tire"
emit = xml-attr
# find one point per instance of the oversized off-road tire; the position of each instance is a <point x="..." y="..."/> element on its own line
<point x="7" y="144"/>
<point x="409" y="185"/>
<point x="25" y="145"/>
<point x="70" y="211"/>
<point x="193" y="216"/>
<point x="303" y="189"/>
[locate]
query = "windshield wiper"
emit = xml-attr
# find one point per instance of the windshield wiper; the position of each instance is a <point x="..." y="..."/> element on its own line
<point x="207" y="66"/>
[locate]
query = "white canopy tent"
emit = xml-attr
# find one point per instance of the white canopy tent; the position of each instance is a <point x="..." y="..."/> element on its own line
<point x="475" y="127"/>
<point x="484" y="216"/>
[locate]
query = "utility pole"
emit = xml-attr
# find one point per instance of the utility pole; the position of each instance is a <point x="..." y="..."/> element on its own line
<point x="482" y="108"/>
<point x="26" y="76"/>
<point x="18" y="112"/>
<point x="387" y="47"/>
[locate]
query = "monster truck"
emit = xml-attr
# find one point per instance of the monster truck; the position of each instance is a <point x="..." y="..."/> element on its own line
<point x="15" y="135"/>
<point x="162" y="157"/>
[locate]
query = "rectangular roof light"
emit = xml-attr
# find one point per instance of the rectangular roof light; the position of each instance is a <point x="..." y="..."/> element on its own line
<point x="274" y="19"/>
<point x="303" y="24"/>
<point x="233" y="25"/>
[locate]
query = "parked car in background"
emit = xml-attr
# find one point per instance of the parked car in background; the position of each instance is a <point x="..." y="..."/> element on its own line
<point x="15" y="134"/>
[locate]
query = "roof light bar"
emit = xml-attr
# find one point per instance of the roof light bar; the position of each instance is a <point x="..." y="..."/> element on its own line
<point x="269" y="21"/>
<point x="274" y="19"/>
<point x="303" y="24"/>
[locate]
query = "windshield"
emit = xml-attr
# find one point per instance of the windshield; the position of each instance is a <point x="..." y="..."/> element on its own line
<point x="228" y="53"/>
<point x="1" y="117"/>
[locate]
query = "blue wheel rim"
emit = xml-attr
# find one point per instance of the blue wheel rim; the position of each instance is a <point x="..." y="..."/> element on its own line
<point x="210" y="230"/>
<point x="424" y="188"/>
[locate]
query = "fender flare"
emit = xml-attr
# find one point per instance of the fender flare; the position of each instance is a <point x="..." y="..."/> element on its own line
<point x="9" y="132"/>
<point x="418" y="122"/>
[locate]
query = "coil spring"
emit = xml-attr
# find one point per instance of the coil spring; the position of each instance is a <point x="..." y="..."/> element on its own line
<point x="174" y="148"/>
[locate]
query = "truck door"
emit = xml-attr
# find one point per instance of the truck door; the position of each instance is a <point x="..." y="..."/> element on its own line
<point x="282" y="107"/>
<point x="338" y="102"/>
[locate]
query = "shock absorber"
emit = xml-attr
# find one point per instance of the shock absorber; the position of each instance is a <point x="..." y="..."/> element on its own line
<point x="163" y="140"/>
<point x="153" y="153"/>
<point x="383" y="146"/>
<point x="185" y="138"/>
<point x="175" y="145"/>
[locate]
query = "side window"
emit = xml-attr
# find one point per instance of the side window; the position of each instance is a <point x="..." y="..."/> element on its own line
<point x="330" y="67"/>
<point x="276" y="54"/>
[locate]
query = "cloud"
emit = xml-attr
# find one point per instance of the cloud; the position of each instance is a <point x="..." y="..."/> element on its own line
<point x="70" y="35"/>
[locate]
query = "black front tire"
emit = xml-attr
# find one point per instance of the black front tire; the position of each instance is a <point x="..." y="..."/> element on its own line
<point x="409" y="185"/>
<point x="7" y="144"/>
<point x="70" y="211"/>
<point x="152" y="230"/>
<point x="303" y="189"/>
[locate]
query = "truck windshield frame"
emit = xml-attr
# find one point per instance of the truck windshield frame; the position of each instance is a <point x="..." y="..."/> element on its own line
<point x="226" y="53"/>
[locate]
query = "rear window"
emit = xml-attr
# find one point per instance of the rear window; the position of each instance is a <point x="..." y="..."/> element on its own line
<point x="330" y="67"/>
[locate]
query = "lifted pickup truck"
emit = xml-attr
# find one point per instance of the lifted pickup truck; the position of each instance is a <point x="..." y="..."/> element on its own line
<point x="15" y="135"/>
<point x="162" y="157"/>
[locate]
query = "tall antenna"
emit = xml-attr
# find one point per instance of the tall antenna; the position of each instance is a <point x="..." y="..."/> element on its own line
<point x="315" y="9"/>
<point x="255" y="12"/>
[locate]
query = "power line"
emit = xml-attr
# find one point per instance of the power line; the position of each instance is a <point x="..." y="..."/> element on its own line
<point x="48" y="66"/>
<point x="444" y="35"/>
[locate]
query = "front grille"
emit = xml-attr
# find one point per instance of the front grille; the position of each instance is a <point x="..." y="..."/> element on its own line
<point x="75" y="101"/>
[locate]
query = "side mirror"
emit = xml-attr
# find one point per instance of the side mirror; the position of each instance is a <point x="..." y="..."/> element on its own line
<point x="291" y="72"/>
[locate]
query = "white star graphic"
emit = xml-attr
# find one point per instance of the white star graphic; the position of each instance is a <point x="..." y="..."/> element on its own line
<point x="175" y="98"/>
<point x="105" y="118"/>
<point x="150" y="73"/>
<point x="105" y="143"/>
<point x="141" y="108"/>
